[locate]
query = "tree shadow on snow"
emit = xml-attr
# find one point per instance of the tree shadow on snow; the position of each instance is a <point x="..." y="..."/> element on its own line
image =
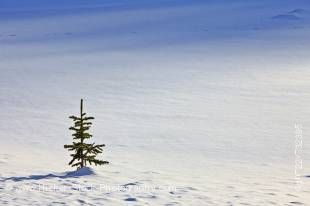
<point x="79" y="173"/>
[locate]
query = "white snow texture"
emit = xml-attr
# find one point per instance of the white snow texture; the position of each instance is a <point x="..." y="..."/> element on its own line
<point x="196" y="101"/>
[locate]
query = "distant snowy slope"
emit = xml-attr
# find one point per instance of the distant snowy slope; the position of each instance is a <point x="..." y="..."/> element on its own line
<point x="129" y="24"/>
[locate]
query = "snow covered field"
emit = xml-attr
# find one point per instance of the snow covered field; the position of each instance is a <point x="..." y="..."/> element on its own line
<point x="196" y="101"/>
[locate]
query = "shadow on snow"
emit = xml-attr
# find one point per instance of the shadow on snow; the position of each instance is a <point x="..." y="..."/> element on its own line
<point x="79" y="173"/>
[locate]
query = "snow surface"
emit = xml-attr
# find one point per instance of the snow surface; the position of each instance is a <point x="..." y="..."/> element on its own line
<point x="195" y="100"/>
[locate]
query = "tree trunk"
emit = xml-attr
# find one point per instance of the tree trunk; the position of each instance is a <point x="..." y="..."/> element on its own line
<point x="81" y="111"/>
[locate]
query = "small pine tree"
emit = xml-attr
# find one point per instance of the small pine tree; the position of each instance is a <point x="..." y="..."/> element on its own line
<point x="83" y="152"/>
